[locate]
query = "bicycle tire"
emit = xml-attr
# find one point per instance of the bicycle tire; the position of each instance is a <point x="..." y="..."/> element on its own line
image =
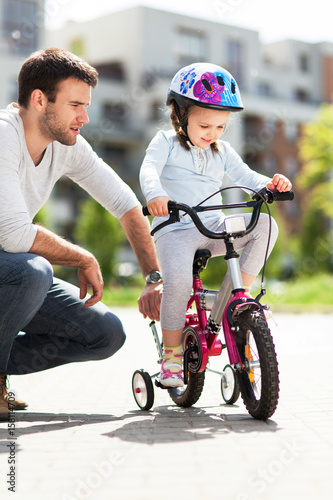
<point x="188" y="395"/>
<point x="259" y="382"/>
<point x="143" y="390"/>
<point x="229" y="385"/>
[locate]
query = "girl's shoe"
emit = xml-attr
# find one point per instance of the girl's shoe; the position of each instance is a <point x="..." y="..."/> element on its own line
<point x="171" y="374"/>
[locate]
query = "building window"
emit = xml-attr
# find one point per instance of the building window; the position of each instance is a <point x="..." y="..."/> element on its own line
<point x="302" y="95"/>
<point x="111" y="71"/>
<point x="291" y="130"/>
<point x="21" y="25"/>
<point x="235" y="60"/>
<point x="190" y="47"/>
<point x="115" y="113"/>
<point x="265" y="89"/>
<point x="304" y="63"/>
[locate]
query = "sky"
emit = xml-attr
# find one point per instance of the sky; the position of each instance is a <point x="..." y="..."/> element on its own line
<point x="306" y="20"/>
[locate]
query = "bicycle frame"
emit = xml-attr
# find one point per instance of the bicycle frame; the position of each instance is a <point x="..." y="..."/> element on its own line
<point x="210" y="344"/>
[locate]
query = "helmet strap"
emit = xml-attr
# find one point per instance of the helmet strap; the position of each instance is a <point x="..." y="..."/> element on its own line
<point x="182" y="119"/>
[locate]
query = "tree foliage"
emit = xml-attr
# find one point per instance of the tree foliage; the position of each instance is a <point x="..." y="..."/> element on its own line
<point x="316" y="182"/>
<point x="100" y="233"/>
<point x="316" y="151"/>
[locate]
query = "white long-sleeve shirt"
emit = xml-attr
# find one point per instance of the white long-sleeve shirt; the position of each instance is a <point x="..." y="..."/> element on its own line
<point x="24" y="187"/>
<point x="191" y="176"/>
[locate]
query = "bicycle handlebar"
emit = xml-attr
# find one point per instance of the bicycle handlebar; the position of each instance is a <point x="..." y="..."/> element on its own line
<point x="264" y="195"/>
<point x="274" y="195"/>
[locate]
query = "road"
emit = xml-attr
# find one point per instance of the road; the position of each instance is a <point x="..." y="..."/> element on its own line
<point x="83" y="437"/>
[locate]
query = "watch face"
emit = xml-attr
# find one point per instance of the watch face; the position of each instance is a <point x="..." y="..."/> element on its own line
<point x="153" y="277"/>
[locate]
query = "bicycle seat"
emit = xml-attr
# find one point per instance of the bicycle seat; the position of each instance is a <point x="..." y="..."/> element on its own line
<point x="200" y="260"/>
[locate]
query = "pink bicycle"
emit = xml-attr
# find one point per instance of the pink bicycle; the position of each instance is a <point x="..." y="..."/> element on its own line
<point x="252" y="370"/>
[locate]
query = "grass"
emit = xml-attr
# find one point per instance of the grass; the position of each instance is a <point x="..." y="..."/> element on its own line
<point x="124" y="296"/>
<point x="306" y="294"/>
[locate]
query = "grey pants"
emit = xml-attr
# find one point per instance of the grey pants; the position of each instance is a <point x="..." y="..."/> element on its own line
<point x="176" y="251"/>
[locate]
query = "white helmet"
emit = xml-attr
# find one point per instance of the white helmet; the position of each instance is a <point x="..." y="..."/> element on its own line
<point x="205" y="85"/>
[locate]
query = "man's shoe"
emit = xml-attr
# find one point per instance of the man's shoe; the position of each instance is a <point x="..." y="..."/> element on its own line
<point x="3" y="410"/>
<point x="15" y="404"/>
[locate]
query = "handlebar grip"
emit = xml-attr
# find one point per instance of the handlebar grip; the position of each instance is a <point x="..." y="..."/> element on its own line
<point x="146" y="212"/>
<point x="287" y="195"/>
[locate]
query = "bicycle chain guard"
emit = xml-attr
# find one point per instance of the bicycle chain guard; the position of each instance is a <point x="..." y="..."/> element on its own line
<point x="187" y="354"/>
<point x="195" y="350"/>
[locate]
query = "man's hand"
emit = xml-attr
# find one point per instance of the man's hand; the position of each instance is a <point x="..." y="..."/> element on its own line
<point x="149" y="301"/>
<point x="91" y="276"/>
<point x="59" y="251"/>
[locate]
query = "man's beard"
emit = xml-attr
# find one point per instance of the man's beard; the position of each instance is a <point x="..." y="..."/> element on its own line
<point x="50" y="127"/>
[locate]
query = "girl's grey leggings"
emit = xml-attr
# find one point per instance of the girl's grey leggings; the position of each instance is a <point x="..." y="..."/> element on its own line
<point x="176" y="250"/>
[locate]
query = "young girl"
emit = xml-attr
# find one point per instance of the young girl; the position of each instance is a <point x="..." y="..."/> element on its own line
<point x="188" y="164"/>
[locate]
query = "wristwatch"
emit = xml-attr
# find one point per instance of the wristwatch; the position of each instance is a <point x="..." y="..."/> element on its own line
<point x="154" y="277"/>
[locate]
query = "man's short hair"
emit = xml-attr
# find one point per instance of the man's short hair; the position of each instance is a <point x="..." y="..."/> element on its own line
<point x="45" y="69"/>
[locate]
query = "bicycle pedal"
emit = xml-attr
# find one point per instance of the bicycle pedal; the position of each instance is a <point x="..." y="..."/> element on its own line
<point x="158" y="384"/>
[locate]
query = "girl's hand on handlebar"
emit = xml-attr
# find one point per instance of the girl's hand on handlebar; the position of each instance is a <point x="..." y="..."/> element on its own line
<point x="279" y="183"/>
<point x="158" y="207"/>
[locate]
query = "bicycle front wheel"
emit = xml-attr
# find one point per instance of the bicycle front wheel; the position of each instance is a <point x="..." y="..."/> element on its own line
<point x="259" y="379"/>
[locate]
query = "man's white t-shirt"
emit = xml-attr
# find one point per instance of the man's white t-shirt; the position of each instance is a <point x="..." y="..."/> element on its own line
<point x="24" y="187"/>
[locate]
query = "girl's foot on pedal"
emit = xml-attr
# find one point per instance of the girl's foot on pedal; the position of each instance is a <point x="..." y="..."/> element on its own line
<point x="171" y="374"/>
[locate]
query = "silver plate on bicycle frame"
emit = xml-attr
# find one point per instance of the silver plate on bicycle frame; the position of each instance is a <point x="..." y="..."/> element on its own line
<point x="235" y="224"/>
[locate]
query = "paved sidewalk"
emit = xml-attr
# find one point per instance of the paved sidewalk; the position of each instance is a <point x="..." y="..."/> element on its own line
<point x="83" y="437"/>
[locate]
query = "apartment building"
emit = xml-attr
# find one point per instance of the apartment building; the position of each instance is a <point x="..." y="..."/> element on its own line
<point x="138" y="50"/>
<point x="22" y="32"/>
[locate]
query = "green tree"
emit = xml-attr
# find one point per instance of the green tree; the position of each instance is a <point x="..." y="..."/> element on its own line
<point x="100" y="233"/>
<point x="316" y="182"/>
<point x="42" y="217"/>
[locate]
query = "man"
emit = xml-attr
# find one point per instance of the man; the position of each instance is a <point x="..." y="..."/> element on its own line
<point x="45" y="322"/>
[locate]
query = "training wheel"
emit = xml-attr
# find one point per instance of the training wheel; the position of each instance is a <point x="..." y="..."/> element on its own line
<point x="229" y="385"/>
<point x="143" y="390"/>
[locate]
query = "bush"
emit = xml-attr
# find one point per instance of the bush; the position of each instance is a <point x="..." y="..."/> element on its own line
<point x="100" y="233"/>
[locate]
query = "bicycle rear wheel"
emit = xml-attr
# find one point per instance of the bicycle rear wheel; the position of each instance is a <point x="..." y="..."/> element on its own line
<point x="259" y="379"/>
<point x="189" y="394"/>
